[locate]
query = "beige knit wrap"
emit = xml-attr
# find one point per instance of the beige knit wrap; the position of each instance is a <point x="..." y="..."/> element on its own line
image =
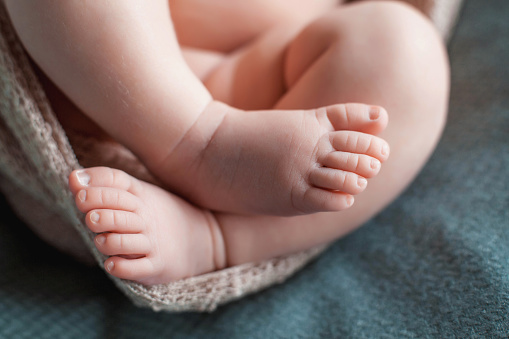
<point x="36" y="158"/>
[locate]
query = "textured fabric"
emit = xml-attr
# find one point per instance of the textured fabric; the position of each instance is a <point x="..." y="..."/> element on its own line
<point x="35" y="158"/>
<point x="433" y="265"/>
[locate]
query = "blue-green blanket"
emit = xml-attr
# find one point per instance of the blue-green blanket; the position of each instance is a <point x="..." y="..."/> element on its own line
<point x="435" y="264"/>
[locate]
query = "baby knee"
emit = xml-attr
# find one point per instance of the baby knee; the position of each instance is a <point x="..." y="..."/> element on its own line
<point x="400" y="24"/>
<point x="389" y="25"/>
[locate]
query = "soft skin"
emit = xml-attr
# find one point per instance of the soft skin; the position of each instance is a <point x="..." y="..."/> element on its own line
<point x="265" y="103"/>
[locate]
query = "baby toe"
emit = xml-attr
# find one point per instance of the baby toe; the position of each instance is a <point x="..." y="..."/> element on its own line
<point x="122" y="244"/>
<point x="358" y="117"/>
<point x="102" y="177"/>
<point x="361" y="164"/>
<point x="322" y="200"/>
<point x="360" y="143"/>
<point x="103" y="220"/>
<point x="130" y="269"/>
<point x="106" y="198"/>
<point x="337" y="180"/>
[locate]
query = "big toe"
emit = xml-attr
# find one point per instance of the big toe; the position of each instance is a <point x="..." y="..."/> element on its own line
<point x="358" y="117"/>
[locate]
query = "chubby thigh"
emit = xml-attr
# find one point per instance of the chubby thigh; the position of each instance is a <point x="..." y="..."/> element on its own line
<point x="226" y="25"/>
<point x="237" y="48"/>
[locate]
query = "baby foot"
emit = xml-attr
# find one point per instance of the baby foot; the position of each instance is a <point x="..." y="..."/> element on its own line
<point x="151" y="236"/>
<point x="277" y="162"/>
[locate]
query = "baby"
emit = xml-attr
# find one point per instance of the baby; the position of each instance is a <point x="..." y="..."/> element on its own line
<point x="238" y="108"/>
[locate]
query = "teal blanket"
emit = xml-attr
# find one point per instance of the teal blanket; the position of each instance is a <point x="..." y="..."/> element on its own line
<point x="434" y="264"/>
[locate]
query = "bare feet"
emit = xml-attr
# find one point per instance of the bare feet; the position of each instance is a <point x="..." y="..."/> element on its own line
<point x="151" y="236"/>
<point x="276" y="162"/>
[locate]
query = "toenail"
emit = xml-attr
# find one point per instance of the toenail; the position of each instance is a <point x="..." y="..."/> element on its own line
<point x="375" y="163"/>
<point x="94" y="217"/>
<point x="83" y="178"/>
<point x="362" y="182"/>
<point x="82" y="195"/>
<point x="374" y="112"/>
<point x="109" y="266"/>
<point x="100" y="239"/>
<point x="385" y="149"/>
<point x="349" y="201"/>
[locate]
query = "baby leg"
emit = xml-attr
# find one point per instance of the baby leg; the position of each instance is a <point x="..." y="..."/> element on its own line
<point x="169" y="228"/>
<point x="126" y="72"/>
<point x="384" y="53"/>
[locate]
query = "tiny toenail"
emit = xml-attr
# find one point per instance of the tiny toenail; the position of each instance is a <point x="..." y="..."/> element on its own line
<point x="362" y="182"/>
<point x="109" y="266"/>
<point x="349" y="201"/>
<point x="94" y="217"/>
<point x="374" y="112"/>
<point x="83" y="178"/>
<point x="375" y="163"/>
<point x="82" y="195"/>
<point x="385" y="149"/>
<point x="100" y="239"/>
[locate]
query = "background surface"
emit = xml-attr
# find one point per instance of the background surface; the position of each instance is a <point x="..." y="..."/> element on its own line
<point x="434" y="264"/>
